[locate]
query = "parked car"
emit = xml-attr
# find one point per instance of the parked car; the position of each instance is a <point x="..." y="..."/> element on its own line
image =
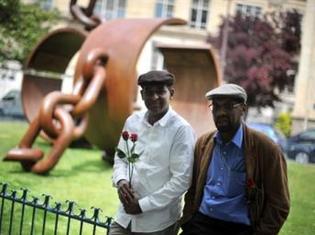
<point x="11" y="105"/>
<point x="301" y="147"/>
<point x="273" y="133"/>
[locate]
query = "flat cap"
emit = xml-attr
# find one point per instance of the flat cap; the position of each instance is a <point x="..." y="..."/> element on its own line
<point x="156" y="76"/>
<point x="227" y="90"/>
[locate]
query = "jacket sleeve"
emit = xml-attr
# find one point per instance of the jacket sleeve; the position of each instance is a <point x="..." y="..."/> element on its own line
<point x="275" y="191"/>
<point x="190" y="195"/>
<point x="181" y="158"/>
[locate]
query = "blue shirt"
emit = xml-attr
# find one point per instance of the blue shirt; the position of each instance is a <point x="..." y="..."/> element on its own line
<point x="224" y="195"/>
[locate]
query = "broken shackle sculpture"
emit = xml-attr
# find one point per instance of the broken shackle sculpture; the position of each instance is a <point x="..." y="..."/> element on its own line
<point x="104" y="88"/>
<point x="106" y="97"/>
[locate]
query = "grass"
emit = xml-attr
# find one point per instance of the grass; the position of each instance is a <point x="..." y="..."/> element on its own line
<point x="83" y="177"/>
<point x="302" y="190"/>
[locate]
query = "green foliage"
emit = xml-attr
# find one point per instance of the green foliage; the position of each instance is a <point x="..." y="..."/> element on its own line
<point x="8" y="8"/>
<point x="284" y="123"/>
<point x="133" y="158"/>
<point x="261" y="54"/>
<point x="21" y="27"/>
<point x="120" y="153"/>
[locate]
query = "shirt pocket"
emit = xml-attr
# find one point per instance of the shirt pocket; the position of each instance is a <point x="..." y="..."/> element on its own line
<point x="235" y="185"/>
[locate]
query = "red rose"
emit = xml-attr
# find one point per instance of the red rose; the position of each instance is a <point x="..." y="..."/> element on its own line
<point x="125" y="135"/>
<point x="250" y="183"/>
<point x="134" y="137"/>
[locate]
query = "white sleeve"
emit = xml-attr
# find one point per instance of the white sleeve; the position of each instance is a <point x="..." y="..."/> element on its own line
<point x="181" y="163"/>
<point x="120" y="168"/>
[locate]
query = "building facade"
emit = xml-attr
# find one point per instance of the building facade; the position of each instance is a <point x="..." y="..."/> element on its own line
<point x="204" y="17"/>
<point x="304" y="108"/>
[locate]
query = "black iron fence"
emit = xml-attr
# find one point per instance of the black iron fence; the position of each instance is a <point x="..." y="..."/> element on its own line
<point x="21" y="215"/>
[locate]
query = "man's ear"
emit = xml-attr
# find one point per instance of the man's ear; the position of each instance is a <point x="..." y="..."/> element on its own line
<point x="245" y="111"/>
<point x="172" y="91"/>
<point x="245" y="108"/>
<point x="141" y="92"/>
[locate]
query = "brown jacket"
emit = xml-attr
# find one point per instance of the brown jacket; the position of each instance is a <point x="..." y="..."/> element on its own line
<point x="267" y="184"/>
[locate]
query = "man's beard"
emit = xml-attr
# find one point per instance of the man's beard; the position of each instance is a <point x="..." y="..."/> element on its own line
<point x="224" y="129"/>
<point x="224" y="124"/>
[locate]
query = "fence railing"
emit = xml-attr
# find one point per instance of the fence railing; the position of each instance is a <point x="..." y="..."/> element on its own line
<point x="21" y="215"/>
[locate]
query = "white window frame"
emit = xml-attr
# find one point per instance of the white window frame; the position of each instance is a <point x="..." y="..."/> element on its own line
<point x="248" y="10"/>
<point x="165" y="6"/>
<point x="157" y="59"/>
<point x="199" y="7"/>
<point x="47" y="4"/>
<point x="101" y="8"/>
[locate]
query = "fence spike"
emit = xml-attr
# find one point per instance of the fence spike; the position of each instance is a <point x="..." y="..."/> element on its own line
<point x="24" y="194"/>
<point x="46" y="200"/>
<point x="96" y="213"/>
<point x="35" y="200"/>
<point x="4" y="189"/>
<point x="70" y="206"/>
<point x="82" y="213"/>
<point x="58" y="206"/>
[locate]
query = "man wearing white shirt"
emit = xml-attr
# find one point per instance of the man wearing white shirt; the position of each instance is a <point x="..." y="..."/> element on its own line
<point x="162" y="174"/>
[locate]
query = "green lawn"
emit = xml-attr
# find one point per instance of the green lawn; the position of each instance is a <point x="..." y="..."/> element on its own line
<point x="83" y="177"/>
<point x="302" y="188"/>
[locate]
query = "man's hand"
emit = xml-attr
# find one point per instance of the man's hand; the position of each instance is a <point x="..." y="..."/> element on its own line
<point x="125" y="192"/>
<point x="127" y="198"/>
<point x="133" y="207"/>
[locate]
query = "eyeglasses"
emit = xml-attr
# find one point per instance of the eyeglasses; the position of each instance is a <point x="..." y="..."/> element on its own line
<point x="226" y="106"/>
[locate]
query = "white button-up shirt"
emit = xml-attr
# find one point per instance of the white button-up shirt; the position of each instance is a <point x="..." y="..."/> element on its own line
<point x="163" y="172"/>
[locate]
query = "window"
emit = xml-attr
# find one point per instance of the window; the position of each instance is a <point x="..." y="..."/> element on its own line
<point x="157" y="60"/>
<point x="199" y="14"/>
<point x="164" y="8"/>
<point x="110" y="9"/>
<point x="310" y="134"/>
<point x="248" y="10"/>
<point x="46" y="4"/>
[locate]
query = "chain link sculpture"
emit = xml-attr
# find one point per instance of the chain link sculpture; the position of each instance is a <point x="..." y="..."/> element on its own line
<point x="58" y="116"/>
<point x="104" y="89"/>
<point x="85" y="15"/>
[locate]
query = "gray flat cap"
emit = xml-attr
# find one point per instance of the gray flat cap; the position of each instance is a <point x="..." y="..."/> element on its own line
<point x="227" y="90"/>
<point x="156" y="76"/>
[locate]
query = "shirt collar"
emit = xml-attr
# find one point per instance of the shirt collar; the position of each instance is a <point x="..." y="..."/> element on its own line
<point x="163" y="121"/>
<point x="237" y="138"/>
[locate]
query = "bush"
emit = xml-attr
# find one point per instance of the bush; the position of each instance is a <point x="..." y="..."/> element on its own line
<point x="284" y="123"/>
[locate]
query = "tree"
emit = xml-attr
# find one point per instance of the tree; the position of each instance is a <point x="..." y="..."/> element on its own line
<point x="262" y="54"/>
<point x="21" y="26"/>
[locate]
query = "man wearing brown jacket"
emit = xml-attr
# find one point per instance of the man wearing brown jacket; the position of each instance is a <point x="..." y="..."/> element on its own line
<point x="239" y="184"/>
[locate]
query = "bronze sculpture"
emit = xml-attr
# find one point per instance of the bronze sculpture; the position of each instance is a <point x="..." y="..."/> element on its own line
<point x="104" y="88"/>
